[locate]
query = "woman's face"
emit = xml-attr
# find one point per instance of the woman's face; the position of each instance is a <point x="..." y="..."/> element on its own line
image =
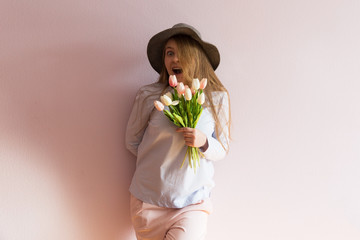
<point x="171" y="60"/>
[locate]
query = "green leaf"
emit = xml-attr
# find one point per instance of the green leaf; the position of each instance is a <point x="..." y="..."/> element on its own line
<point x="171" y="118"/>
<point x="191" y="120"/>
<point x="179" y="119"/>
<point x="168" y="114"/>
<point x="198" y="117"/>
<point x="186" y="121"/>
<point x="174" y="109"/>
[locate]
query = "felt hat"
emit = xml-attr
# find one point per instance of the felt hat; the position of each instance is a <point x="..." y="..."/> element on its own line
<point x="157" y="42"/>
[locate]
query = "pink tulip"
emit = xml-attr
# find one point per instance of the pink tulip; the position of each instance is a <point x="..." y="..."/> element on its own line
<point x="173" y="81"/>
<point x="165" y="100"/>
<point x="201" y="99"/>
<point x="188" y="94"/>
<point x="203" y="83"/>
<point x="159" y="106"/>
<point x="180" y="88"/>
<point x="195" y="84"/>
<point x="169" y="94"/>
<point x="192" y="90"/>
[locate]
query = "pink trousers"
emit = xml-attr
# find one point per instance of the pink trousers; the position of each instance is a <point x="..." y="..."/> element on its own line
<point x="158" y="223"/>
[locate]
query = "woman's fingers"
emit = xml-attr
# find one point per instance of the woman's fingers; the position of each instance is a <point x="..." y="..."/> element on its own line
<point x="193" y="137"/>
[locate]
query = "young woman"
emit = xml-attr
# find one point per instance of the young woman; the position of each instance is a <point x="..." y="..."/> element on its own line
<point x="169" y="201"/>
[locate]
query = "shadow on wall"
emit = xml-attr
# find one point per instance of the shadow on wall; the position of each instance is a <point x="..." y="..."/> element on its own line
<point x="68" y="104"/>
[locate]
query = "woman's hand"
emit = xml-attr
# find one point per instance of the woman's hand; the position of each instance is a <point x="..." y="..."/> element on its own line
<point x="194" y="138"/>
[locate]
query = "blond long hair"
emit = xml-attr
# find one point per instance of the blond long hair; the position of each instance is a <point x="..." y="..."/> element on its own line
<point x="195" y="64"/>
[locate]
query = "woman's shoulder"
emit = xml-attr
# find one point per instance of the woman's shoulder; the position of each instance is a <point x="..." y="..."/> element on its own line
<point x="219" y="97"/>
<point x="150" y="89"/>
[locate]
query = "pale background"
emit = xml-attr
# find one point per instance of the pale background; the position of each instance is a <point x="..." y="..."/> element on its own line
<point x="69" y="71"/>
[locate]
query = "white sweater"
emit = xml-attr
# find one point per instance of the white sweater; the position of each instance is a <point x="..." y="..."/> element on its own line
<point x="160" y="151"/>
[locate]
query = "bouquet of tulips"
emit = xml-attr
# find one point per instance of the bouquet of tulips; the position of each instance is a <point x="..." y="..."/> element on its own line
<point x="184" y="109"/>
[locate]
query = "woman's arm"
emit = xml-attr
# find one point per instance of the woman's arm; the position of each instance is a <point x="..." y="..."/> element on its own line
<point x="213" y="149"/>
<point x="139" y="117"/>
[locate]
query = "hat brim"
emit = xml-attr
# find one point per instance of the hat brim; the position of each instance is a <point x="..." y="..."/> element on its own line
<point x="157" y="42"/>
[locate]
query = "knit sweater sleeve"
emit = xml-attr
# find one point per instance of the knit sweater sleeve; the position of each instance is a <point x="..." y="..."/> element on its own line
<point x="140" y="114"/>
<point x="218" y="146"/>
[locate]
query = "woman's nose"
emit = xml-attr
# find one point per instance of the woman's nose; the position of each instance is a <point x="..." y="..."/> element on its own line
<point x="175" y="58"/>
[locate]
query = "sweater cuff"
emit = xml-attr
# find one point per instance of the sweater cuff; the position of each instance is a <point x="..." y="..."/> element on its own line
<point x="214" y="151"/>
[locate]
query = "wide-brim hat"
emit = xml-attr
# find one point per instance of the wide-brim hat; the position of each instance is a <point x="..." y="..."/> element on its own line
<point x="157" y="43"/>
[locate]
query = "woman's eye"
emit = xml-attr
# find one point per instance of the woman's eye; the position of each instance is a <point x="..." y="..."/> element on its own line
<point x="170" y="53"/>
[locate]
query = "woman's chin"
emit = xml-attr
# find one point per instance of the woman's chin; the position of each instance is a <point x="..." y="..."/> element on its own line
<point x="179" y="77"/>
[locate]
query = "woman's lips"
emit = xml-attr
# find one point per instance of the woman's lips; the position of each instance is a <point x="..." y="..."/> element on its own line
<point x="177" y="71"/>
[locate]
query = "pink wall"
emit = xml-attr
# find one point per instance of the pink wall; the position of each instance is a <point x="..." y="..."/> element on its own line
<point x="68" y="74"/>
